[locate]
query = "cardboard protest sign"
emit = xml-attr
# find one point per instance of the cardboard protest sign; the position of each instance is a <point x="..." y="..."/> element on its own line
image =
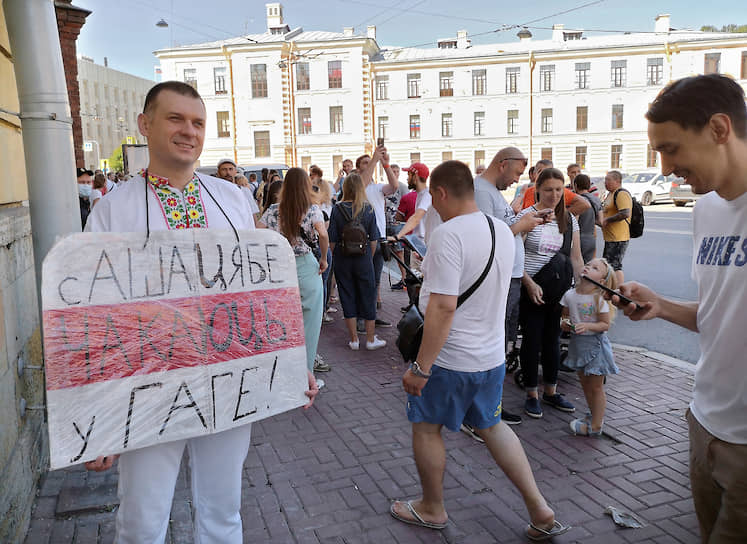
<point x="194" y="334"/>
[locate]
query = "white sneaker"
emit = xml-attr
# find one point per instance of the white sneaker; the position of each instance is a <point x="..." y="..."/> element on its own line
<point x="319" y="383"/>
<point x="332" y="309"/>
<point x="376" y="344"/>
<point x="327" y="318"/>
<point x="355" y="346"/>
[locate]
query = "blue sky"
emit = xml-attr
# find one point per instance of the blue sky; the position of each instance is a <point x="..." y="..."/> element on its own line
<point x="124" y="31"/>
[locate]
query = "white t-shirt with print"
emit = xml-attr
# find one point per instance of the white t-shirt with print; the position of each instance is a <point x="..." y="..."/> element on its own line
<point x="542" y="243"/>
<point x="719" y="267"/>
<point x="458" y="252"/>
<point x="422" y="202"/>
<point x="583" y="308"/>
<point x="375" y="195"/>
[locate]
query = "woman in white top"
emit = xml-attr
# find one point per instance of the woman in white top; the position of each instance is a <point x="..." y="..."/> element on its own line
<point x="551" y="244"/>
<point x="302" y="223"/>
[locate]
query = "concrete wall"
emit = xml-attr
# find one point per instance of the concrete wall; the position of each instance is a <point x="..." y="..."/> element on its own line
<point x="23" y="440"/>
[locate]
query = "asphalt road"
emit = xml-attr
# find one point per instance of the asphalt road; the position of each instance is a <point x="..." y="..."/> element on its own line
<point x="661" y="259"/>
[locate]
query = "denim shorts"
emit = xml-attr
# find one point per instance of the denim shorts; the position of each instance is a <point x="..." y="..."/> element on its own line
<point x="451" y="397"/>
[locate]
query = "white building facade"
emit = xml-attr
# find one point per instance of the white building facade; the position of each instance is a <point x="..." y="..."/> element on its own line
<point x="304" y="98"/>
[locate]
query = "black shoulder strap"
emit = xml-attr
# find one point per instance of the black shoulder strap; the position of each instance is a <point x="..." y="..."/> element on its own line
<point x="464" y="296"/>
<point x="344" y="211"/>
<point x="614" y="200"/>
<point x="568" y="236"/>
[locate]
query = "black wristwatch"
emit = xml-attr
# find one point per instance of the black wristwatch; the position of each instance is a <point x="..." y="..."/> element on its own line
<point x="415" y="369"/>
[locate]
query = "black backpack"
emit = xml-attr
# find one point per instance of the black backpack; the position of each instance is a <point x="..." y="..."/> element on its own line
<point x="354" y="236"/>
<point x="636" y="221"/>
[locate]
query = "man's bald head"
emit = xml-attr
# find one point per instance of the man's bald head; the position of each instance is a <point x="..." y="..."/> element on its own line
<point x="508" y="153"/>
<point x="508" y="165"/>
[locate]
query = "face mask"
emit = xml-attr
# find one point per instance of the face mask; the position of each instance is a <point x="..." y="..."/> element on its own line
<point x="84" y="190"/>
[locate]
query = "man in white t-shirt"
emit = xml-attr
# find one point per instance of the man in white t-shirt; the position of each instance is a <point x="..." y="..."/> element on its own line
<point x="459" y="370"/>
<point x="376" y="194"/>
<point x="417" y="177"/>
<point x="699" y="126"/>
<point x="175" y="197"/>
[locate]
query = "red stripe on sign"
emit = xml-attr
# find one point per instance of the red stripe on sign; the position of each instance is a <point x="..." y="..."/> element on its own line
<point x="98" y="343"/>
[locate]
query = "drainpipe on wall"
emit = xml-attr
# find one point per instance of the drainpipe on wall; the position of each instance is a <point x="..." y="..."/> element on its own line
<point x="45" y="121"/>
<point x="233" y="100"/>
<point x="532" y="64"/>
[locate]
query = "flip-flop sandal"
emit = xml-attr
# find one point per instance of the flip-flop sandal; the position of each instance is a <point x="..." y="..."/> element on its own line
<point x="557" y="529"/>
<point x="418" y="520"/>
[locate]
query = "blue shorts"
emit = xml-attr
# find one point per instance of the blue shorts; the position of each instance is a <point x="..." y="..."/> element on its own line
<point x="451" y="397"/>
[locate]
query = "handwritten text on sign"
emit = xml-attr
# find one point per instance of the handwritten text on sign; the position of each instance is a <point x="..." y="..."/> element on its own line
<point x="194" y="334"/>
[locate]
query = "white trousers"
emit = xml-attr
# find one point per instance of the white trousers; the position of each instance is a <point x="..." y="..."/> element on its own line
<point x="146" y="488"/>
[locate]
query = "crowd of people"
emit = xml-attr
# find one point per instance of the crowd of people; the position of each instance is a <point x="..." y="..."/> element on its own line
<point x="529" y="266"/>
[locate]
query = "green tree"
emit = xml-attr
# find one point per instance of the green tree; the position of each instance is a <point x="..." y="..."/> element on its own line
<point x="725" y="28"/>
<point x="116" y="163"/>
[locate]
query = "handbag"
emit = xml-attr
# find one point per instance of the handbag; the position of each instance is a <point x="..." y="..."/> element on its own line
<point x="556" y="276"/>
<point x="411" y="325"/>
<point x="313" y="246"/>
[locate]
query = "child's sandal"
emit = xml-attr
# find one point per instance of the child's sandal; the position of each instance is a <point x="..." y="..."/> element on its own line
<point x="583" y="427"/>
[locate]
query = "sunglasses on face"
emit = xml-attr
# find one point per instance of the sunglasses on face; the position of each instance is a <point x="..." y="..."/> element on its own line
<point x="315" y="188"/>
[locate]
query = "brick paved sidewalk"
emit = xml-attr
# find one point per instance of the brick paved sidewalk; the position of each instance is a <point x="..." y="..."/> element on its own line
<point x="328" y="475"/>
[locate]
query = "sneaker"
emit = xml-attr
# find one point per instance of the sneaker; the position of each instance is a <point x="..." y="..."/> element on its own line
<point x="404" y="309"/>
<point x="319" y="383"/>
<point x="399" y="286"/>
<point x="509" y="418"/>
<point x="320" y="365"/>
<point x="471" y="432"/>
<point x="327" y="318"/>
<point x="355" y="346"/>
<point x="332" y="310"/>
<point x="361" y="327"/>
<point x="532" y="408"/>
<point x="376" y="344"/>
<point x="382" y="323"/>
<point x="582" y="427"/>
<point x="557" y="401"/>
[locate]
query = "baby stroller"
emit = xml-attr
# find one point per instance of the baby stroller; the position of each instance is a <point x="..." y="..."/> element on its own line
<point x="412" y="280"/>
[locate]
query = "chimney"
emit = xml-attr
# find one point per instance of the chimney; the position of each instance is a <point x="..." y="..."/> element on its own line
<point x="462" y="41"/>
<point x="274" y="15"/>
<point x="662" y="24"/>
<point x="524" y="35"/>
<point x="557" y="33"/>
<point x="371" y="31"/>
<point x="348" y="31"/>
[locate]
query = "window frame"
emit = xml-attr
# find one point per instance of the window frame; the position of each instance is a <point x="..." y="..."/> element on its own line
<point x="415" y="127"/>
<point x="546" y="120"/>
<point x="303" y="76"/>
<point x="258" y="80"/>
<point x="479" y="82"/>
<point x="446" y="83"/>
<point x="303" y="126"/>
<point x="334" y="74"/>
<point x="219" y="80"/>
<point x="413" y="85"/>
<point x="223" y="123"/>
<point x="336" y="122"/>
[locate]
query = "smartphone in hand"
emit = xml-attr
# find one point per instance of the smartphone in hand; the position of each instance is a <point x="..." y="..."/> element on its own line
<point x="379" y="142"/>
<point x="625" y="300"/>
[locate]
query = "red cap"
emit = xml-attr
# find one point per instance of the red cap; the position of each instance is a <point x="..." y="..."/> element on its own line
<point x="420" y="169"/>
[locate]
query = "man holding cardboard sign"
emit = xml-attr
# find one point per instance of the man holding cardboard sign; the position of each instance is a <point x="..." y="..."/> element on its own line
<point x="202" y="332"/>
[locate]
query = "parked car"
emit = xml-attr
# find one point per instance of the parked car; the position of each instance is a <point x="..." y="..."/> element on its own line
<point x="650" y="187"/>
<point x="682" y="193"/>
<point x="248" y="169"/>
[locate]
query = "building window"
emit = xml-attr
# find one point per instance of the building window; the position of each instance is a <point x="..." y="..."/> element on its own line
<point x="304" y="120"/>
<point x="743" y="71"/>
<point x="382" y="127"/>
<point x="513" y="121"/>
<point x="336" y="163"/>
<point x="303" y="79"/>
<point x="652" y="158"/>
<point x="413" y="85"/>
<point x="335" y="119"/>
<point x="582" y="75"/>
<point x="446" y="125"/>
<point x="581" y="156"/>
<point x="479" y="157"/>
<point x="712" y="63"/>
<point x="219" y="77"/>
<point x="446" y="83"/>
<point x="618" y="73"/>
<point x="547" y="77"/>
<point x="190" y="77"/>
<point x="224" y="128"/>
<point x="262" y="143"/>
<point x="616" y="156"/>
<point x="479" y="82"/>
<point x="617" y="116"/>
<point x="546" y="119"/>
<point x="334" y="74"/>
<point x="259" y="80"/>
<point x="382" y="87"/>
<point x="655" y="71"/>
<point x="447" y="156"/>
<point x="414" y="157"/>
<point x="546" y="153"/>
<point x="414" y="127"/>
<point x="582" y="118"/>
<point x="479" y="123"/>
<point x="512" y="80"/>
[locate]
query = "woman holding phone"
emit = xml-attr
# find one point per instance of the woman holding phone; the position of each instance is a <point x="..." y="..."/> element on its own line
<point x="552" y="250"/>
